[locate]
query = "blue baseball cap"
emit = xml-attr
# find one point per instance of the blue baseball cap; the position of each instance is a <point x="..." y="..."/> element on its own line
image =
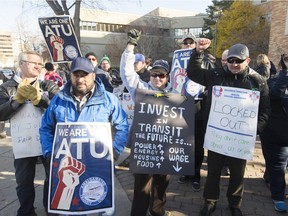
<point x="160" y="66"/>
<point x="82" y="64"/>
<point x="139" y="57"/>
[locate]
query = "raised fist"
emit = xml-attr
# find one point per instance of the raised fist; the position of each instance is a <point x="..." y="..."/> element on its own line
<point x="202" y="44"/>
<point x="134" y="36"/>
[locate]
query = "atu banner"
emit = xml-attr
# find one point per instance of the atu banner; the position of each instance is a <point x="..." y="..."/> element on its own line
<point x="178" y="75"/>
<point x="162" y="134"/>
<point x="232" y="124"/>
<point x="60" y="38"/>
<point x="81" y="175"/>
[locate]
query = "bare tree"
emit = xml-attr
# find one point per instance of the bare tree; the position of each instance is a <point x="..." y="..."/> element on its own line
<point x="155" y="40"/>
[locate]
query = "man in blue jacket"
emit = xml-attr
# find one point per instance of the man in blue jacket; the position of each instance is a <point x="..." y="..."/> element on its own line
<point x="84" y="99"/>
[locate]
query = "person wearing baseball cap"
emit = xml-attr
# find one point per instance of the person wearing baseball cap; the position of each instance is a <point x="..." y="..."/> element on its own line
<point x="147" y="197"/>
<point x="188" y="41"/>
<point x="140" y="67"/>
<point x="84" y="99"/>
<point x="238" y="75"/>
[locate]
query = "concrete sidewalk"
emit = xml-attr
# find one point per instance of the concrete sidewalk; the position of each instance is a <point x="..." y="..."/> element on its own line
<point x="181" y="199"/>
<point x="8" y="198"/>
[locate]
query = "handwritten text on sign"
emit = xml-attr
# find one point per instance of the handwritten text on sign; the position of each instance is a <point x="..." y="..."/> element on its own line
<point x="232" y="124"/>
<point x="163" y="134"/>
<point x="25" y="131"/>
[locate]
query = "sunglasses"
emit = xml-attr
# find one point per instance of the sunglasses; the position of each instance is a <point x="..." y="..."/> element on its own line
<point x="186" y="43"/>
<point x="235" y="60"/>
<point x="161" y="76"/>
<point x="92" y="59"/>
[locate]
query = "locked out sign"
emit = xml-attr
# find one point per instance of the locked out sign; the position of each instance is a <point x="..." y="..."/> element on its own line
<point x="162" y="134"/>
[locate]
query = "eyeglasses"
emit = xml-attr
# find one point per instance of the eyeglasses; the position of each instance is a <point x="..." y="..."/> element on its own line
<point x="92" y="59"/>
<point x="186" y="43"/>
<point x="161" y="76"/>
<point x="33" y="63"/>
<point x="235" y="60"/>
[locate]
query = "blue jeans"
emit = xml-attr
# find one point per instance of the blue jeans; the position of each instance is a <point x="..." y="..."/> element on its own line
<point x="25" y="174"/>
<point x="275" y="151"/>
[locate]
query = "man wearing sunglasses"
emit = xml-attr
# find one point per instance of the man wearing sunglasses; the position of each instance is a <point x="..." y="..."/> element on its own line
<point x="147" y="197"/>
<point x="238" y="74"/>
<point x="189" y="41"/>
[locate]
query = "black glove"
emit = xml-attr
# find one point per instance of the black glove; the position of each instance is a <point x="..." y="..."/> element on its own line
<point x="115" y="155"/>
<point x="134" y="36"/>
<point x="282" y="62"/>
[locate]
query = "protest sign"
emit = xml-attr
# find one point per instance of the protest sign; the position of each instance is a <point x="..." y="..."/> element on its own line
<point x="81" y="170"/>
<point x="60" y="38"/>
<point x="128" y="106"/>
<point x="178" y="75"/>
<point x="24" y="127"/>
<point x="162" y="134"/>
<point x="232" y="124"/>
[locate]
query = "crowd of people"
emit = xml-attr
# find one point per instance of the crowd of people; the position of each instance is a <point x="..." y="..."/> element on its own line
<point x="87" y="94"/>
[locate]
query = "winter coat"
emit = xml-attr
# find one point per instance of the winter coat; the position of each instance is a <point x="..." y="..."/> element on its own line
<point x="249" y="79"/>
<point x="131" y="79"/>
<point x="101" y="107"/>
<point x="264" y="70"/>
<point x="8" y="107"/>
<point x="278" y="120"/>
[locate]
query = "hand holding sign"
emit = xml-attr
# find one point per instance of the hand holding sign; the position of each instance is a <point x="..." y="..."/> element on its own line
<point x="21" y="96"/>
<point x="69" y="172"/>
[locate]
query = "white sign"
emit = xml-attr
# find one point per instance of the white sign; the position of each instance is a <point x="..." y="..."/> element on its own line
<point x="232" y="124"/>
<point x="128" y="106"/>
<point x="25" y="131"/>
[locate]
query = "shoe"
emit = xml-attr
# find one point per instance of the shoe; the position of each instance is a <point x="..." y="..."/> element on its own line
<point x="236" y="212"/>
<point x="124" y="165"/>
<point x="225" y="171"/>
<point x="184" y="179"/>
<point x="196" y="186"/>
<point x="207" y="209"/>
<point x="280" y="206"/>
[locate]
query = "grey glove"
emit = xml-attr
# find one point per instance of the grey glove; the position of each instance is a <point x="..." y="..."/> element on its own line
<point x="134" y="36"/>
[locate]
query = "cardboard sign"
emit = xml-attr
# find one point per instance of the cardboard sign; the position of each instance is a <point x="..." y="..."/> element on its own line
<point x="178" y="75"/>
<point x="162" y="134"/>
<point x="128" y="106"/>
<point x="81" y="174"/>
<point x="24" y="128"/>
<point x="60" y="38"/>
<point x="232" y="124"/>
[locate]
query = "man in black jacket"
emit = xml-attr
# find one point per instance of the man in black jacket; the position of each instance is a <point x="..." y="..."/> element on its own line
<point x="238" y="75"/>
<point x="17" y="96"/>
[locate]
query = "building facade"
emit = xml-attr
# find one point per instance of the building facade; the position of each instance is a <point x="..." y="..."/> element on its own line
<point x="7" y="55"/>
<point x="105" y="32"/>
<point x="278" y="41"/>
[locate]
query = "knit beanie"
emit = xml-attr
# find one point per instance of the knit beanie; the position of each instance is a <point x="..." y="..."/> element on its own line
<point x="105" y="58"/>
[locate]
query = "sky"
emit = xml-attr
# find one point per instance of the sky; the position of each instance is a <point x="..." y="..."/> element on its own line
<point x="15" y="13"/>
